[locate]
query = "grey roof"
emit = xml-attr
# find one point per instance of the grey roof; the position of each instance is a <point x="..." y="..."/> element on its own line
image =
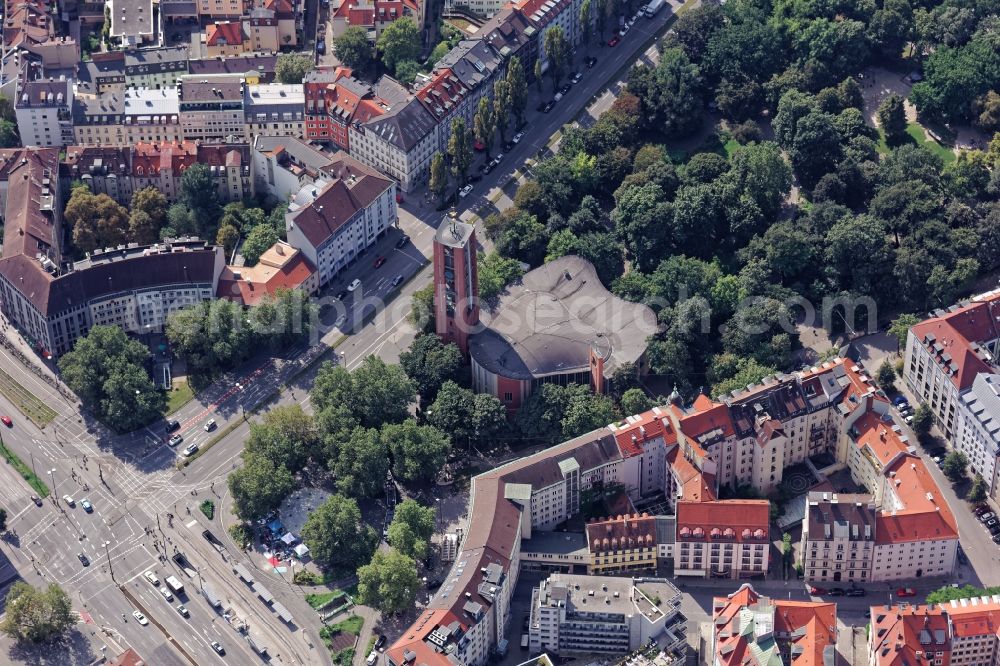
<point x="264" y="65"/>
<point x="303" y="153"/>
<point x="44" y="93"/>
<point x="145" y="101"/>
<point x="90" y="110"/>
<point x="131" y="18"/>
<point x="391" y="91"/>
<point x="555" y="543"/>
<point x="472" y="61"/>
<point x="152" y="61"/>
<point x="91" y="73"/>
<point x="666" y="529"/>
<point x="453" y="233"/>
<point x="211" y="90"/>
<point x="844" y="516"/>
<point x="404" y="126"/>
<point x="549" y="322"/>
<point x="179" y="8"/>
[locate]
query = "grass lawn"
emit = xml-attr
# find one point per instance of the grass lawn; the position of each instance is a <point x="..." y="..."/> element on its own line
<point x="915" y="136"/>
<point x="27" y="402"/>
<point x="36" y="483"/>
<point x="344" y="657"/>
<point x="350" y="625"/>
<point x="180" y="395"/>
<point x="730" y="147"/>
<point x="322" y="599"/>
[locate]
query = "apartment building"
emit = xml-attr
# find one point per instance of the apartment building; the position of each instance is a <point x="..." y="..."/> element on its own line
<point x="838" y="538"/>
<point x="977" y="433"/>
<point x="152" y="115"/>
<point x="131" y="21"/>
<point x="211" y="108"/>
<point x="162" y="165"/>
<point x="252" y="68"/>
<point x="104" y="169"/>
<point x="281" y="165"/>
<point x="946" y="352"/>
<point x="333" y="221"/>
<point x="961" y="632"/>
<point x="155" y="67"/>
<point x="548" y="14"/>
<point x="399" y="143"/>
<point x="281" y="266"/>
<point x="748" y="628"/>
<point x="602" y="615"/>
<point x="226" y="38"/>
<point x="622" y="544"/>
<point x="722" y="539"/>
<point x="31" y="26"/>
<point x="43" y="109"/>
<point x="220" y="9"/>
<point x="103" y="73"/>
<point x="99" y="121"/>
<point x="274" y="109"/>
<point x="261" y="30"/>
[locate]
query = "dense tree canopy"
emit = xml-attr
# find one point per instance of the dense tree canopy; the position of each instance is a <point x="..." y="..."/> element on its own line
<point x="336" y="536"/>
<point x="36" y="615"/>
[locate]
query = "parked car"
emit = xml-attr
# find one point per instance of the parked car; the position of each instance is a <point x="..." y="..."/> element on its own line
<point x="900" y="400"/>
<point x="836" y="592"/>
<point x="548" y="106"/>
<point x="175" y="440"/>
<point x="396" y="281"/>
<point x="624" y="30"/>
<point x="855" y="592"/>
<point x="87" y="506"/>
<point x="983" y="517"/>
<point x="996" y="538"/>
<point x="614" y="41"/>
<point x="69" y="500"/>
<point x="6" y="421"/>
<point x="172" y="425"/>
<point x="380" y="643"/>
<point x="558" y="96"/>
<point x="151" y="577"/>
<point x="210" y="425"/>
<point x="565" y="89"/>
<point x="517" y="138"/>
<point x="981" y="509"/>
<point x="496" y="160"/>
<point x="342" y="294"/>
<point x="140" y="618"/>
<point x="354" y="285"/>
<point x="321" y="47"/>
<point x="906" y="592"/>
<point x="403" y="240"/>
<point x="816" y="590"/>
<point x="464" y="192"/>
<point x="37" y="500"/>
<point x="577" y="77"/>
<point x="84" y="560"/>
<point x="190" y="450"/>
<point x="474" y="178"/>
<point x="590" y="62"/>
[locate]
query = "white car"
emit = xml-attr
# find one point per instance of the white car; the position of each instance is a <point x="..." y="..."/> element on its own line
<point x="166" y="593"/>
<point x="69" y="500"/>
<point x="210" y="426"/>
<point x="354" y="285"/>
<point x="497" y="159"/>
<point x="151" y="577"/>
<point x="140" y="618"/>
<point x="464" y="192"/>
<point x="517" y="137"/>
<point x="190" y="450"/>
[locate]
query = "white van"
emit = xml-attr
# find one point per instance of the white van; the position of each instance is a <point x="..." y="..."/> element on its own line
<point x="372" y="658"/>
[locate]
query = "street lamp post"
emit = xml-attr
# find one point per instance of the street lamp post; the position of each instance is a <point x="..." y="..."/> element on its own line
<point x="107" y="551"/>
<point x="52" y="478"/>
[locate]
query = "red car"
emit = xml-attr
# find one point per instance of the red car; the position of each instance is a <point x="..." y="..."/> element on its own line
<point x="816" y="590"/>
<point x="6" y="421"/>
<point x="906" y="592"/>
<point x="379" y="261"/>
<point x="614" y="41"/>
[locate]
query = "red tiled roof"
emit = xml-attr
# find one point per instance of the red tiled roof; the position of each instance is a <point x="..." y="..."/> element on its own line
<point x="693" y="483"/>
<point x="148" y="159"/>
<point x="127" y="658"/>
<point x="635" y="431"/>
<point x="926" y="514"/>
<point x="250" y="285"/>
<point x="621" y="532"/>
<point x="896" y="635"/>
<point x="957" y="332"/>
<point x="229" y="32"/>
<point x="742" y="517"/>
<point x="812" y="626"/>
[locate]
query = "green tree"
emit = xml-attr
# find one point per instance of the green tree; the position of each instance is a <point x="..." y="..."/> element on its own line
<point x="900" y="327"/>
<point x="106" y="369"/>
<point x="228" y="236"/>
<point x="10" y="137"/>
<point x="891" y="117"/>
<point x="586" y="412"/>
<point x="439" y="176"/>
<point x="635" y="401"/>
<point x="586" y="22"/>
<point x="518" y="83"/>
<point x="429" y="363"/>
<point x="923" y="420"/>
<point x="258" y="487"/>
<point x="422" y="311"/>
<point x="287" y="436"/>
<point x="97" y="220"/>
<point x="557" y="53"/>
<point x="467" y="417"/>
<point x="399" y="41"/>
<point x="484" y="125"/>
<point x="375" y="393"/>
<point x="671" y="95"/>
<point x="954" y="466"/>
<point x="502" y="105"/>
<point x="292" y="67"/>
<point x="418" y="452"/>
<point x="3" y="519"/>
<point x="733" y="373"/>
<point x="34" y="615"/>
<point x="353" y="49"/>
<point x="406" y="71"/>
<point x="411" y="529"/>
<point x="335" y="535"/>
<point x="256" y="243"/>
<point x="198" y="195"/>
<point x="495" y="273"/>
<point x="459" y="149"/>
<point x="389" y="582"/>
<point x="977" y="491"/>
<point x="948" y="593"/>
<point x="886" y="375"/>
<point x="148" y="215"/>
<point x="538" y="75"/>
<point x="362" y="464"/>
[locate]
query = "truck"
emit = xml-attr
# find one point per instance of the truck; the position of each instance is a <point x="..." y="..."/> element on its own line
<point x="174" y="585"/>
<point x="654" y="7"/>
<point x="213" y="598"/>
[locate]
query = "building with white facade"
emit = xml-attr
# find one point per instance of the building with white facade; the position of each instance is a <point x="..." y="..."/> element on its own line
<point x="838" y="538"/>
<point x="211" y="108"/>
<point x="946" y="352"/>
<point x="274" y="109"/>
<point x="152" y="115"/>
<point x="43" y="108"/>
<point x="977" y="433"/>
<point x="603" y="615"/>
<point x="333" y="221"/>
<point x="283" y="165"/>
<point x="399" y="143"/>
